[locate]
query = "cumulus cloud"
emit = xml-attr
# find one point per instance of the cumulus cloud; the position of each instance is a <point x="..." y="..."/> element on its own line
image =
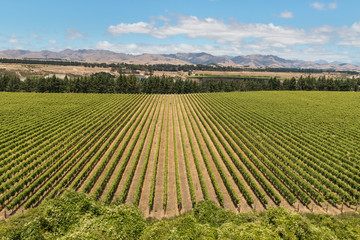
<point x="322" y="6"/>
<point x="350" y="35"/>
<point x="220" y="31"/>
<point x="255" y="36"/>
<point x="34" y="36"/>
<point x="162" y="18"/>
<point x="122" y="28"/>
<point x="52" y="41"/>
<point x="73" y="34"/>
<point x="318" y="6"/>
<point x="13" y="41"/>
<point x="286" y="14"/>
<point x="236" y="38"/>
<point x="333" y="5"/>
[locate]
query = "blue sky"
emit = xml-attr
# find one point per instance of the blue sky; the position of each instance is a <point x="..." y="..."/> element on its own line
<point x="292" y="29"/>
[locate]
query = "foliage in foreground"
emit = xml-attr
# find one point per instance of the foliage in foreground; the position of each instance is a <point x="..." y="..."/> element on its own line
<point x="77" y="216"/>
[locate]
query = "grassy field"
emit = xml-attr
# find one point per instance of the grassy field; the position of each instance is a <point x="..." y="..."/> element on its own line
<point x="164" y="153"/>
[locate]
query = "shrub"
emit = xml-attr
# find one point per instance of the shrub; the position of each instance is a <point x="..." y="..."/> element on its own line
<point x="207" y="212"/>
<point x="185" y="227"/>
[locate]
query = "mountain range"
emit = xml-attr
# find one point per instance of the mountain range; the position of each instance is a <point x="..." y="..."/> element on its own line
<point x="252" y="61"/>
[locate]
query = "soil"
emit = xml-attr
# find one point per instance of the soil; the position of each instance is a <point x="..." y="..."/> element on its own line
<point x="194" y="176"/>
<point x="184" y="185"/>
<point x="24" y="70"/>
<point x="207" y="180"/>
<point x="145" y="193"/>
<point x="102" y="175"/>
<point x="171" y="209"/>
<point x="131" y="160"/>
<point x="157" y="211"/>
<point x="228" y="204"/>
<point x="112" y="145"/>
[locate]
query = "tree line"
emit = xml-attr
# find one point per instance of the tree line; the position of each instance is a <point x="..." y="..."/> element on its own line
<point x="107" y="83"/>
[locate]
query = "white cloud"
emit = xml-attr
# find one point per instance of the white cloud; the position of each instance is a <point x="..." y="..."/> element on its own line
<point x="322" y="6"/>
<point x="73" y="34"/>
<point x="34" y="36"/>
<point x="286" y="14"/>
<point x="236" y="38"/>
<point x="162" y="18"/>
<point x="350" y="35"/>
<point x="333" y="5"/>
<point x="122" y="28"/>
<point x="318" y="6"/>
<point x="221" y="32"/>
<point x="52" y="41"/>
<point x="13" y="41"/>
<point x="16" y="41"/>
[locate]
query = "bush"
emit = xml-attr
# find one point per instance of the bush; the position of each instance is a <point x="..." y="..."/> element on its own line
<point x="250" y="231"/>
<point x="185" y="227"/>
<point x="116" y="222"/>
<point x="77" y="216"/>
<point x="207" y="212"/>
<point x="344" y="226"/>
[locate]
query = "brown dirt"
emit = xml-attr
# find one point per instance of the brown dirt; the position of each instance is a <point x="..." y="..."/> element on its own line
<point x="171" y="209"/>
<point x="141" y="162"/>
<point x="256" y="201"/>
<point x="38" y="69"/>
<point x="243" y="204"/>
<point x="184" y="185"/>
<point x="99" y="161"/>
<point x="228" y="204"/>
<point x="207" y="180"/>
<point x="76" y="163"/>
<point x="122" y="157"/>
<point x="194" y="175"/>
<point x="131" y="160"/>
<point x="145" y="194"/>
<point x="110" y="161"/>
<point x="60" y="71"/>
<point x="283" y="203"/>
<point x="157" y="211"/>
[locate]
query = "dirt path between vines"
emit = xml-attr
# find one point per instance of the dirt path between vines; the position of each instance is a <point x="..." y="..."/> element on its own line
<point x="145" y="193"/>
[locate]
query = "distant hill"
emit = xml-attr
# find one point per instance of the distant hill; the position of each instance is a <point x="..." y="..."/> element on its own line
<point x="253" y="61"/>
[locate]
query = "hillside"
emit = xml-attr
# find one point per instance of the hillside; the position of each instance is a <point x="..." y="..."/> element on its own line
<point x="252" y="61"/>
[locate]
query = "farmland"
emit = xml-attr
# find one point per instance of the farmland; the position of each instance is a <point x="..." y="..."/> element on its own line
<point x="163" y="153"/>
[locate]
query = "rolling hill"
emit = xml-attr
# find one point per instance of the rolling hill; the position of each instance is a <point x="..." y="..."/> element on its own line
<point x="252" y="61"/>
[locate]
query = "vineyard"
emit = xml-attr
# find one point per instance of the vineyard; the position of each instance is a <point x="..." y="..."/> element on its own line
<point x="164" y="153"/>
